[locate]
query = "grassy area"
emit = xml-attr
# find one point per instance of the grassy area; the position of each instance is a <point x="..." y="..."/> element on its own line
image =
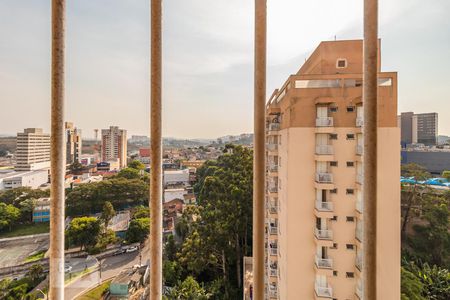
<point x="96" y="293"/>
<point x="26" y="229"/>
<point x="35" y="257"/>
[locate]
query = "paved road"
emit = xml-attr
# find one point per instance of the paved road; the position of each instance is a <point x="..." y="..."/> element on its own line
<point x="111" y="266"/>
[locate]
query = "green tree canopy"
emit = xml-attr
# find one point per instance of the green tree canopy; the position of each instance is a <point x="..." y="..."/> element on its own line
<point x="137" y="165"/>
<point x="129" y="173"/>
<point x="84" y="232"/>
<point x="8" y="215"/>
<point x="189" y="289"/>
<point x="108" y="213"/>
<point x="138" y="230"/>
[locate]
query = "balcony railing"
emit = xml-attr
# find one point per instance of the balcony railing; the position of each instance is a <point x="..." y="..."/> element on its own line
<point x="323" y="291"/>
<point x="324" y="149"/>
<point x="324" y="177"/>
<point x="274" y="126"/>
<point x="274" y="250"/>
<point x="324" y="122"/>
<point x="359" y="290"/>
<point x="273" y="188"/>
<point x="324" y="206"/>
<point x="273" y="229"/>
<point x="359" y="178"/>
<point x="324" y="263"/>
<point x="358" y="261"/>
<point x="359" y="121"/>
<point x="272" y="168"/>
<point x="359" y="231"/>
<point x="273" y="208"/>
<point x="359" y="149"/>
<point x="273" y="271"/>
<point x="323" y="234"/>
<point x="272" y="146"/>
<point x="273" y="292"/>
<point x="359" y="205"/>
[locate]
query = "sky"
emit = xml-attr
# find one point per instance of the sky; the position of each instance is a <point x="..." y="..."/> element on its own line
<point x="207" y="59"/>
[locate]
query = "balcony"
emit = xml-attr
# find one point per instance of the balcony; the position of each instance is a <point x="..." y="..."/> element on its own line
<point x="323" y="234"/>
<point x="359" y="149"/>
<point x="324" y="122"/>
<point x="274" y="127"/>
<point x="273" y="207"/>
<point x="359" y="178"/>
<point x="273" y="229"/>
<point x="273" y="291"/>
<point x="273" y="188"/>
<point x="272" y="146"/>
<point x="359" y="205"/>
<point x="273" y="249"/>
<point x="324" y="206"/>
<point x="359" y="231"/>
<point x="324" y="263"/>
<point x="358" y="261"/>
<point x="324" y="150"/>
<point x="359" y="290"/>
<point x="273" y="269"/>
<point x="359" y="121"/>
<point x="324" y="177"/>
<point x="323" y="291"/>
<point x="272" y="168"/>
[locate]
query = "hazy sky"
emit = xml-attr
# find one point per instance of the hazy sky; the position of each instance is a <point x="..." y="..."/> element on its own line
<point x="207" y="61"/>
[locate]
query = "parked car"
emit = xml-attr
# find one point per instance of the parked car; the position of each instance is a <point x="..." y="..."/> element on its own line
<point x="119" y="251"/>
<point x="67" y="268"/>
<point x="132" y="249"/>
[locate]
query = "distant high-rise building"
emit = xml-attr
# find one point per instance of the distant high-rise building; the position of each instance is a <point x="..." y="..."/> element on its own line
<point x="33" y="150"/>
<point x="73" y="144"/>
<point x="314" y="216"/>
<point x="418" y="128"/>
<point x="114" y="145"/>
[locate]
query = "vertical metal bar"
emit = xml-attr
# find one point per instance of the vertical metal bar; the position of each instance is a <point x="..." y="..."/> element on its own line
<point x="156" y="155"/>
<point x="370" y="86"/>
<point x="57" y="157"/>
<point x="259" y="148"/>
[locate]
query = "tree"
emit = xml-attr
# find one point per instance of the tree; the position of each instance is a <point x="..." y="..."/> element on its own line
<point x="411" y="286"/>
<point x="141" y="212"/>
<point x="417" y="173"/>
<point x="435" y="280"/>
<point x="35" y="272"/>
<point x="26" y="209"/>
<point x="189" y="289"/>
<point x="84" y="232"/>
<point x="108" y="213"/>
<point x="138" y="230"/>
<point x="8" y="215"/>
<point x="137" y="165"/>
<point x="129" y="173"/>
<point x="76" y="166"/>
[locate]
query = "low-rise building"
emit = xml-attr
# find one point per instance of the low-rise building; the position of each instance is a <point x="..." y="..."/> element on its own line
<point x="172" y="177"/>
<point x="13" y="179"/>
<point x="41" y="210"/>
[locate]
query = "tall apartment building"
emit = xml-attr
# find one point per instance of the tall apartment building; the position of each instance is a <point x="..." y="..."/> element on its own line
<point x="73" y="144"/>
<point x="114" y="145"/>
<point x="418" y="128"/>
<point x="33" y="150"/>
<point x="314" y="212"/>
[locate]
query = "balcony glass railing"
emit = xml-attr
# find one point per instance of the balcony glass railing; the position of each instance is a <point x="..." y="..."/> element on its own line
<point x="324" y="177"/>
<point x="324" y="122"/>
<point x="273" y="188"/>
<point x="272" y="146"/>
<point x="359" y="231"/>
<point x="359" y="149"/>
<point x="274" y="250"/>
<point x="273" y="229"/>
<point x="323" y="234"/>
<point x="324" y="149"/>
<point x="323" y="291"/>
<point x="359" y="121"/>
<point x="324" y="206"/>
<point x="359" y="290"/>
<point x="359" y="178"/>
<point x="324" y="263"/>
<point x="273" y="208"/>
<point x="359" y="205"/>
<point x="358" y="261"/>
<point x="274" y="126"/>
<point x="272" y="168"/>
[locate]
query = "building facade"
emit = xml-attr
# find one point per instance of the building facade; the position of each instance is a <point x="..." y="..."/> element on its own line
<point x="314" y="180"/>
<point x="114" y="145"/>
<point x="41" y="210"/>
<point x="418" y="128"/>
<point x="73" y="144"/>
<point x="33" y="150"/>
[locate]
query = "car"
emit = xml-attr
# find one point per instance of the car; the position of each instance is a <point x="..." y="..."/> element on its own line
<point x="119" y="251"/>
<point x="132" y="249"/>
<point x="67" y="268"/>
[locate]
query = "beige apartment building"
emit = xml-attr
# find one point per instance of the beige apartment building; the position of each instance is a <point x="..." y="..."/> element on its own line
<point x="314" y="183"/>
<point x="32" y="150"/>
<point x="73" y="143"/>
<point x="114" y="145"/>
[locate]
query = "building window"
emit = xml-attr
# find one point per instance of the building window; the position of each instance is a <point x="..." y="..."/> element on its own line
<point x="333" y="109"/>
<point x="335" y="273"/>
<point x="334" y="218"/>
<point x="341" y="63"/>
<point x="350" y="191"/>
<point x="333" y="163"/>
<point x="350" y="219"/>
<point x="333" y="191"/>
<point x="335" y="246"/>
<point x="333" y="136"/>
<point x="350" y="108"/>
<point x="350" y="164"/>
<point x="350" y="246"/>
<point x="350" y="274"/>
<point x="350" y="136"/>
